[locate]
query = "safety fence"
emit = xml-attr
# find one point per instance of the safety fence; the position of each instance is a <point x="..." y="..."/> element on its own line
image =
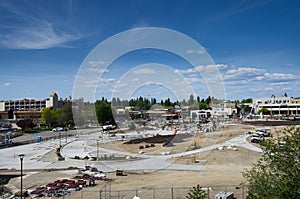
<point x="155" y="193"/>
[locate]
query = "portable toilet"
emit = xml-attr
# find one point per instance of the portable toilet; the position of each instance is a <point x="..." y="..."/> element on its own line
<point x="38" y="139"/>
<point x="225" y="195"/>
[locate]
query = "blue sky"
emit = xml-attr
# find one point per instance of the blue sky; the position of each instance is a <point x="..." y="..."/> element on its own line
<point x="254" y="44"/>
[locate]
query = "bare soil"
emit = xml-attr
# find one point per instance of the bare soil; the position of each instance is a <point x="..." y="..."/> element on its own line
<point x="220" y="167"/>
<point x="180" y="142"/>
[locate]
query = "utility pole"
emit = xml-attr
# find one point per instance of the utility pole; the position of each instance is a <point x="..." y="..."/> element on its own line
<point x="97" y="150"/>
<point x="21" y="158"/>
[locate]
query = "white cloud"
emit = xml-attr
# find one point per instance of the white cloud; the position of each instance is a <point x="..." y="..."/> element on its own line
<point x="107" y="80"/>
<point x="193" y="79"/>
<point x="280" y="76"/>
<point x="236" y="82"/>
<point x="6" y="84"/>
<point x="289" y="64"/>
<point x="211" y="68"/>
<point x="144" y="71"/>
<point x="279" y="83"/>
<point x="91" y="83"/>
<point x="190" y="51"/>
<point x="38" y="36"/>
<point x="33" y="28"/>
<point x="96" y="63"/>
<point x="248" y="71"/>
<point x="98" y="70"/>
<point x="135" y="80"/>
<point x="207" y="68"/>
<point x="199" y="52"/>
<point x="259" y="78"/>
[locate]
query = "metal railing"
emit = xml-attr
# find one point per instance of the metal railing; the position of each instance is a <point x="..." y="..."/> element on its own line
<point x="105" y="192"/>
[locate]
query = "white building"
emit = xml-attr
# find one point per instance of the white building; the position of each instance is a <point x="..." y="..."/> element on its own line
<point x="199" y="115"/>
<point x="277" y="105"/>
<point x="26" y="108"/>
<point x="223" y="112"/>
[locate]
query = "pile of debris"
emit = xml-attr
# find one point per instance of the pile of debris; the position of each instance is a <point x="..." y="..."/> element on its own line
<point x="230" y="147"/>
<point x="62" y="187"/>
<point x="58" y="188"/>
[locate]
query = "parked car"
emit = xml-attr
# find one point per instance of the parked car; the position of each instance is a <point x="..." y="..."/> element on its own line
<point x="59" y="129"/>
<point x="264" y="133"/>
<point x="256" y="138"/>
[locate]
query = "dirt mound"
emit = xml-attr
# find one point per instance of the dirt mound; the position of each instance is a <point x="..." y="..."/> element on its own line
<point x="154" y="139"/>
<point x="159" y="139"/>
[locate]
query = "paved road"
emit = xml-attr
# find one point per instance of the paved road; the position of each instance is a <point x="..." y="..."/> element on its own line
<point x="35" y="151"/>
<point x="82" y="147"/>
<point x="50" y="134"/>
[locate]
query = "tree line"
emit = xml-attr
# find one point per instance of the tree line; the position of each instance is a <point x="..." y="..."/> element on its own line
<point x="50" y="118"/>
<point x="104" y="109"/>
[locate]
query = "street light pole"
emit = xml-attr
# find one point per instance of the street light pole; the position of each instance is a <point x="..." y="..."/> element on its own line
<point x="59" y="140"/>
<point x="97" y="150"/>
<point x="21" y="158"/>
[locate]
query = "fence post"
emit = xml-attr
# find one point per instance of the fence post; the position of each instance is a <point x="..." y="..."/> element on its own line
<point x="243" y="192"/>
<point x="81" y="194"/>
<point x="100" y="192"/>
<point x="172" y="192"/>
<point x="154" y="193"/>
<point x="207" y="192"/>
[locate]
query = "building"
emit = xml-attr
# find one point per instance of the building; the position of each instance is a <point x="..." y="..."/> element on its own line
<point x="27" y="108"/>
<point x="224" y="109"/>
<point x="155" y="114"/>
<point x="200" y="115"/>
<point x="224" y="112"/>
<point x="282" y="106"/>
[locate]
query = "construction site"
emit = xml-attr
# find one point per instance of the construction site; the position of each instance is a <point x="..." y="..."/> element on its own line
<point x="145" y="163"/>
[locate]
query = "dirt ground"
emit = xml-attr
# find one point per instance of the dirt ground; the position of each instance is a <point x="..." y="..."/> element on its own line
<point x="182" y="143"/>
<point x="220" y="167"/>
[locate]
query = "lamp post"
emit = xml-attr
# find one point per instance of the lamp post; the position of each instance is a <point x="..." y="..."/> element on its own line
<point x="97" y="150"/>
<point x="21" y="158"/>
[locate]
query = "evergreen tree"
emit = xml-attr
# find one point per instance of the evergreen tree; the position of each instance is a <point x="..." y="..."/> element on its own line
<point x="196" y="193"/>
<point x="191" y="100"/>
<point x="104" y="112"/>
<point x="208" y="100"/>
<point x="66" y="117"/>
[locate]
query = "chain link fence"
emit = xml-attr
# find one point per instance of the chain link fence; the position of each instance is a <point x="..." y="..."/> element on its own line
<point x="155" y="193"/>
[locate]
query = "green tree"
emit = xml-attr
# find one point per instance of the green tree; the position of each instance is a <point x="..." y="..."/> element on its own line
<point x="142" y="104"/>
<point x="104" y="112"/>
<point x="191" y="100"/>
<point x="248" y="100"/>
<point x="202" y="106"/>
<point x="51" y="117"/>
<point x="263" y="111"/>
<point x="196" y="193"/>
<point x="276" y="175"/>
<point x="167" y="102"/>
<point x="208" y="100"/>
<point x="66" y="117"/>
